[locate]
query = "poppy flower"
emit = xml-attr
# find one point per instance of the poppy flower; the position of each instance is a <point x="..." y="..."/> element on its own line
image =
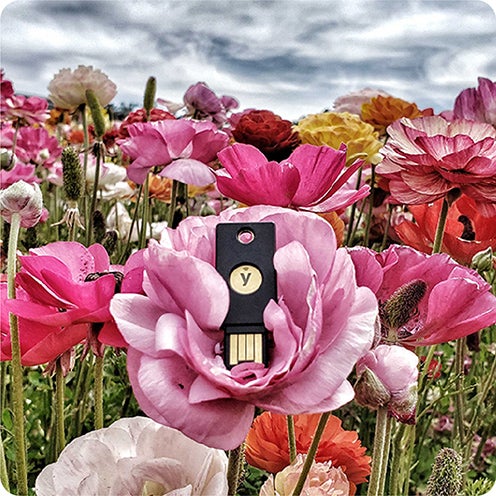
<point x="320" y="324"/>
<point x="311" y="178"/>
<point x="477" y="104"/>
<point x="424" y="300"/>
<point x="427" y="157"/>
<point x="182" y="148"/>
<point x="267" y="445"/>
<point x="466" y="233"/>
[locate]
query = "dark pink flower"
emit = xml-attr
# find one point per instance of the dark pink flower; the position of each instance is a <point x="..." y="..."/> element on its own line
<point x="428" y="157"/>
<point x="20" y="172"/>
<point x="477" y="104"/>
<point x="321" y="324"/>
<point x="311" y="178"/>
<point x="424" y="299"/>
<point x="182" y="147"/>
<point x="36" y="146"/>
<point x="6" y="87"/>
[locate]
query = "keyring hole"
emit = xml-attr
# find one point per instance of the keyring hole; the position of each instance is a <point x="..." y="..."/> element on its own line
<point x="245" y="236"/>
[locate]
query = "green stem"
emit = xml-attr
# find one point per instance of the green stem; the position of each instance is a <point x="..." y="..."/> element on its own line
<point x="371" y="208"/>
<point x="145" y="221"/>
<point x="173" y="202"/>
<point x="4" y="476"/>
<point x="17" y="373"/>
<point x="59" y="407"/>
<point x="395" y="459"/>
<point x="234" y="469"/>
<point x="379" y="461"/>
<point x="459" y="430"/>
<point x="99" y="151"/>
<point x="86" y="146"/>
<point x="99" y="392"/>
<point x="312" y="451"/>
<point x="382" y="482"/>
<point x="441" y="224"/>
<point x="291" y="438"/>
<point x="386" y="228"/>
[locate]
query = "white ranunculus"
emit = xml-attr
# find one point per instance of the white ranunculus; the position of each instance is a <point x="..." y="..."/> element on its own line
<point x="135" y="457"/>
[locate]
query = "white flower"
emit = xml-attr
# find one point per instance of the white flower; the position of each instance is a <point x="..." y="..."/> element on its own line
<point x="135" y="457"/>
<point x="24" y="199"/>
<point x="68" y="89"/>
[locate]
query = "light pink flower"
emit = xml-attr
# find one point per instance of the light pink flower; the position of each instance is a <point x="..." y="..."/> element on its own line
<point x="23" y="199"/>
<point x="352" y="102"/>
<point x="311" y="178"/>
<point x="182" y="147"/>
<point x="135" y="456"/>
<point x="323" y="479"/>
<point x="36" y="146"/>
<point x="387" y="377"/>
<point x="68" y="88"/>
<point x="477" y="104"/>
<point x="321" y="324"/>
<point x="19" y="172"/>
<point x="424" y="299"/>
<point x="428" y="157"/>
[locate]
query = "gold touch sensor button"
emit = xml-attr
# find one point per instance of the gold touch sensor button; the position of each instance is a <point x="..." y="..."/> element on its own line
<point x="245" y="279"/>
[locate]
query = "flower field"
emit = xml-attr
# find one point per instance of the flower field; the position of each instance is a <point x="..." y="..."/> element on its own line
<point x="200" y="299"/>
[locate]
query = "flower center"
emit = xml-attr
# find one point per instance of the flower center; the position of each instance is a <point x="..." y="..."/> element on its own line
<point x="468" y="230"/>
<point x="118" y="276"/>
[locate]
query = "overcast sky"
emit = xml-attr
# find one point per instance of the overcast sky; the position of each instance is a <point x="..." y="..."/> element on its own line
<point x="290" y="56"/>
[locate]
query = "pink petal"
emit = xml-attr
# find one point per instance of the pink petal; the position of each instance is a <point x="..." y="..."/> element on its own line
<point x="189" y="171"/>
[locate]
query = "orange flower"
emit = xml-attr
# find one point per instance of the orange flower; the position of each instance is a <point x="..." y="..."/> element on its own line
<point x="267" y="445"/>
<point x="384" y="110"/>
<point x="337" y="225"/>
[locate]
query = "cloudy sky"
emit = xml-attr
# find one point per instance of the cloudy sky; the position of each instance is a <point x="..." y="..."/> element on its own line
<point x="291" y="56"/>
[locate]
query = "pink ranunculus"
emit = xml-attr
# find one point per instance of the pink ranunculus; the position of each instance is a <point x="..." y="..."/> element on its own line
<point x="477" y="104"/>
<point x="23" y="199"/>
<point x="424" y="299"/>
<point x="352" y="102"/>
<point x="36" y="146"/>
<point x="20" y="172"/>
<point x="306" y="180"/>
<point x="321" y="324"/>
<point x="135" y="456"/>
<point x="6" y="87"/>
<point x="65" y="284"/>
<point x="182" y="147"/>
<point x="427" y="157"/>
<point x="387" y="377"/>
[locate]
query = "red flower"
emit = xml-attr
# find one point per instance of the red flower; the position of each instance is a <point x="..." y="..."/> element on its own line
<point x="140" y="116"/>
<point x="267" y="445"/>
<point x="268" y="132"/>
<point x="467" y="232"/>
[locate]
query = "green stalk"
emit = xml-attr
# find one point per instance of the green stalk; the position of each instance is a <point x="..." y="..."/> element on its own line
<point x="89" y="233"/>
<point x="379" y="460"/>
<point x="59" y="408"/>
<point x="4" y="476"/>
<point x="145" y="222"/>
<point x="291" y="438"/>
<point x="99" y="392"/>
<point x="17" y="372"/>
<point x="441" y="224"/>
<point x="86" y="146"/>
<point x="459" y="429"/>
<point x="234" y="468"/>
<point x="352" y="213"/>
<point x="311" y="453"/>
<point x="371" y="207"/>
<point x="172" y="208"/>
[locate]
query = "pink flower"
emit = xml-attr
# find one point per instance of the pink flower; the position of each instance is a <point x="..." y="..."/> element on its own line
<point x="68" y="88"/>
<point x="321" y="324"/>
<point x="477" y="104"/>
<point x="20" y="172"/>
<point x="23" y="199"/>
<point x="424" y="299"/>
<point x="387" y="376"/>
<point x="428" y="157"/>
<point x="6" y="87"/>
<point x="36" y="146"/>
<point x="24" y="110"/>
<point x="311" y="178"/>
<point x="182" y="147"/>
<point x="65" y="284"/>
<point x="352" y="102"/>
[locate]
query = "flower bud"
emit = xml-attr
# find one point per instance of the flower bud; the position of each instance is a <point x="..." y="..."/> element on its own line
<point x="72" y="174"/>
<point x="446" y="478"/>
<point x="149" y="98"/>
<point x="6" y="159"/>
<point x="96" y="113"/>
<point x="24" y="199"/>
<point x="483" y="260"/>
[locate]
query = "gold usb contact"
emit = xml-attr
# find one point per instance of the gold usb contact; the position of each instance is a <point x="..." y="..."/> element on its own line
<point x="245" y="347"/>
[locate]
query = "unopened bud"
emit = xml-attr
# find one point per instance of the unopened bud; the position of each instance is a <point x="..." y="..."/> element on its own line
<point x="72" y="174"/>
<point x="6" y="159"/>
<point x="98" y="226"/>
<point x="96" y="113"/>
<point x="447" y="477"/>
<point x="109" y="241"/>
<point x="150" y="92"/>
<point x="370" y="391"/>
<point x="483" y="260"/>
<point x="24" y="199"/>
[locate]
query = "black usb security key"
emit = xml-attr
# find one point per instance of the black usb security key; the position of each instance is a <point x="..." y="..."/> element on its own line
<point x="244" y="258"/>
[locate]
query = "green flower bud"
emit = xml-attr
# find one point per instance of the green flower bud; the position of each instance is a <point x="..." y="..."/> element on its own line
<point x="483" y="261"/>
<point x="72" y="174"/>
<point x="446" y="478"/>
<point x="96" y="113"/>
<point x="149" y="98"/>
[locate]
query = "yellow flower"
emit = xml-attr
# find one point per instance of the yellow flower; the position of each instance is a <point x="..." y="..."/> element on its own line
<point x="384" y="110"/>
<point x="334" y="128"/>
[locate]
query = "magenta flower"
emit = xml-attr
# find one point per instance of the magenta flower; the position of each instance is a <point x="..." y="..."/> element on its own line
<point x="428" y="157"/>
<point x="63" y="285"/>
<point x="311" y="178"/>
<point x="321" y="324"/>
<point x="424" y="299"/>
<point x="19" y="172"/>
<point x="387" y="376"/>
<point x="182" y="147"/>
<point x="36" y="146"/>
<point x="477" y="104"/>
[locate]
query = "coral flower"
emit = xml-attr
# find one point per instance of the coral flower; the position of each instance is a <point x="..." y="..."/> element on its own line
<point x="424" y="300"/>
<point x="382" y="111"/>
<point x="334" y="128"/>
<point x="312" y="178"/>
<point x="181" y="147"/>
<point x="135" y="456"/>
<point x="477" y="104"/>
<point x="466" y="233"/>
<point x="320" y="324"/>
<point x="267" y="445"/>
<point x="428" y="157"/>
<point x="272" y="135"/>
<point x="68" y="88"/>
